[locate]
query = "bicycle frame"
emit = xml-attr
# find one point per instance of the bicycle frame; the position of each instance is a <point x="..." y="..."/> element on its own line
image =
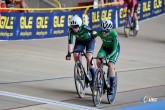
<point x="81" y="77"/>
<point x="80" y="54"/>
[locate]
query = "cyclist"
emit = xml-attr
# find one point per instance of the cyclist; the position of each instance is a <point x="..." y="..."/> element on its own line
<point x="84" y="39"/>
<point x="110" y="50"/>
<point x="132" y="7"/>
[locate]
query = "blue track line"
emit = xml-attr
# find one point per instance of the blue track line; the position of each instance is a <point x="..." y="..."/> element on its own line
<point x="149" y="106"/>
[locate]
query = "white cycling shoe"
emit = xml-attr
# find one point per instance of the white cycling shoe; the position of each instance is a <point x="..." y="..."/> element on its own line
<point x="137" y="27"/>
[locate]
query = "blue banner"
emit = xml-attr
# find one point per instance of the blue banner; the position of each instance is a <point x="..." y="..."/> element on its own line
<point x="146" y="9"/>
<point x="158" y="7"/>
<point x="164" y="5"/>
<point x="96" y="16"/>
<point x="122" y="17"/>
<point x="14" y="26"/>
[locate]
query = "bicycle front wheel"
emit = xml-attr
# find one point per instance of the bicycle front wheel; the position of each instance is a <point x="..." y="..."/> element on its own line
<point x="79" y="78"/>
<point x="127" y="28"/>
<point x="98" y="85"/>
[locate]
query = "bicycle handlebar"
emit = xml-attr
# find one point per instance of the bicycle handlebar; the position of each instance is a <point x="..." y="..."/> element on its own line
<point x="79" y="52"/>
<point x="101" y="59"/>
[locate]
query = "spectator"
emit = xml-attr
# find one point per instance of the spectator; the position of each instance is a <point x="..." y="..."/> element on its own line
<point x="17" y="4"/>
<point x="98" y="2"/>
<point x="3" y="5"/>
<point x="111" y="1"/>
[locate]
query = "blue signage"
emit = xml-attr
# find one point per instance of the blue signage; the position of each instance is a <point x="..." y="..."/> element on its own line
<point x="15" y="26"/>
<point x="96" y="16"/>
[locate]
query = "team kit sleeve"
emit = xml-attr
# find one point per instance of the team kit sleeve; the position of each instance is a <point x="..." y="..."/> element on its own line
<point x="70" y="36"/>
<point x="89" y="29"/>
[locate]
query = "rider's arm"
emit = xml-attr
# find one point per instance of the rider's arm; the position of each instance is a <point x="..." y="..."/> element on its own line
<point x="115" y="43"/>
<point x="95" y="34"/>
<point x="132" y="11"/>
<point x="70" y="41"/>
<point x="88" y="29"/>
<point x="70" y="48"/>
<point x="124" y="6"/>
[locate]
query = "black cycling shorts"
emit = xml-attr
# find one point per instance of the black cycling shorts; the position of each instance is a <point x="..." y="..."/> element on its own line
<point x="81" y="45"/>
<point x="130" y="8"/>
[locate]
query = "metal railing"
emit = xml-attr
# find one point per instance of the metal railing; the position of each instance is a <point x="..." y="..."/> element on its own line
<point x="86" y="8"/>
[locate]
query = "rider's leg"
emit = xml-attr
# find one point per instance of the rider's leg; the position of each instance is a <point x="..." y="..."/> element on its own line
<point x="136" y="21"/>
<point x="111" y="78"/>
<point x="90" y="45"/>
<point x="98" y="62"/>
<point x="92" y="68"/>
<point x="111" y="71"/>
<point x="75" y="55"/>
<point x="128" y="13"/>
<point x="78" y="47"/>
<point x="136" y="17"/>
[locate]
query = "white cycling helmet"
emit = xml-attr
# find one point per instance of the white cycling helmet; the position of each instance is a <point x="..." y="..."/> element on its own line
<point x="107" y="25"/>
<point x="76" y="20"/>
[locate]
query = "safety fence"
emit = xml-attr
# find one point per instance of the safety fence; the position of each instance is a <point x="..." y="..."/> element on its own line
<point x="16" y="26"/>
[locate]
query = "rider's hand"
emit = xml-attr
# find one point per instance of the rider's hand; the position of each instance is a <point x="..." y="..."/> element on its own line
<point x="108" y="57"/>
<point x="68" y="56"/>
<point x="94" y="32"/>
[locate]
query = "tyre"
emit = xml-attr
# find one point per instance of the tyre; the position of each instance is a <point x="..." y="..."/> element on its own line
<point x="135" y="32"/>
<point x="127" y="29"/>
<point x="79" y="78"/>
<point x="98" y="85"/>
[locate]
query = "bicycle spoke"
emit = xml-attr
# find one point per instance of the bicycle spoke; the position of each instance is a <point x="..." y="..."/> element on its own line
<point x="97" y="88"/>
<point x="127" y="28"/>
<point x="79" y="80"/>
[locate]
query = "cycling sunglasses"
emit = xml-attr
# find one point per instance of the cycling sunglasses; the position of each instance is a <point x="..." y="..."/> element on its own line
<point x="106" y="31"/>
<point x="74" y="26"/>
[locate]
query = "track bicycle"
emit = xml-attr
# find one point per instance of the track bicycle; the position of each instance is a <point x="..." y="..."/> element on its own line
<point x="130" y="26"/>
<point x="100" y="84"/>
<point x="82" y="76"/>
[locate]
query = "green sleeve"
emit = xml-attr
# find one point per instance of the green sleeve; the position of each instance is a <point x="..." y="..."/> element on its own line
<point x="115" y="43"/>
<point x="87" y="29"/>
<point x="70" y="36"/>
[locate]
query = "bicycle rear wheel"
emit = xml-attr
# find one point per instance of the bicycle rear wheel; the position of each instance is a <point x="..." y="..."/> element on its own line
<point x="79" y="78"/>
<point x="98" y="85"/>
<point x="127" y="28"/>
<point x="111" y="98"/>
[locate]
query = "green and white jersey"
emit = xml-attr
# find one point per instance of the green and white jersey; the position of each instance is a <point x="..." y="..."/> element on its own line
<point x="110" y="41"/>
<point x="83" y="34"/>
